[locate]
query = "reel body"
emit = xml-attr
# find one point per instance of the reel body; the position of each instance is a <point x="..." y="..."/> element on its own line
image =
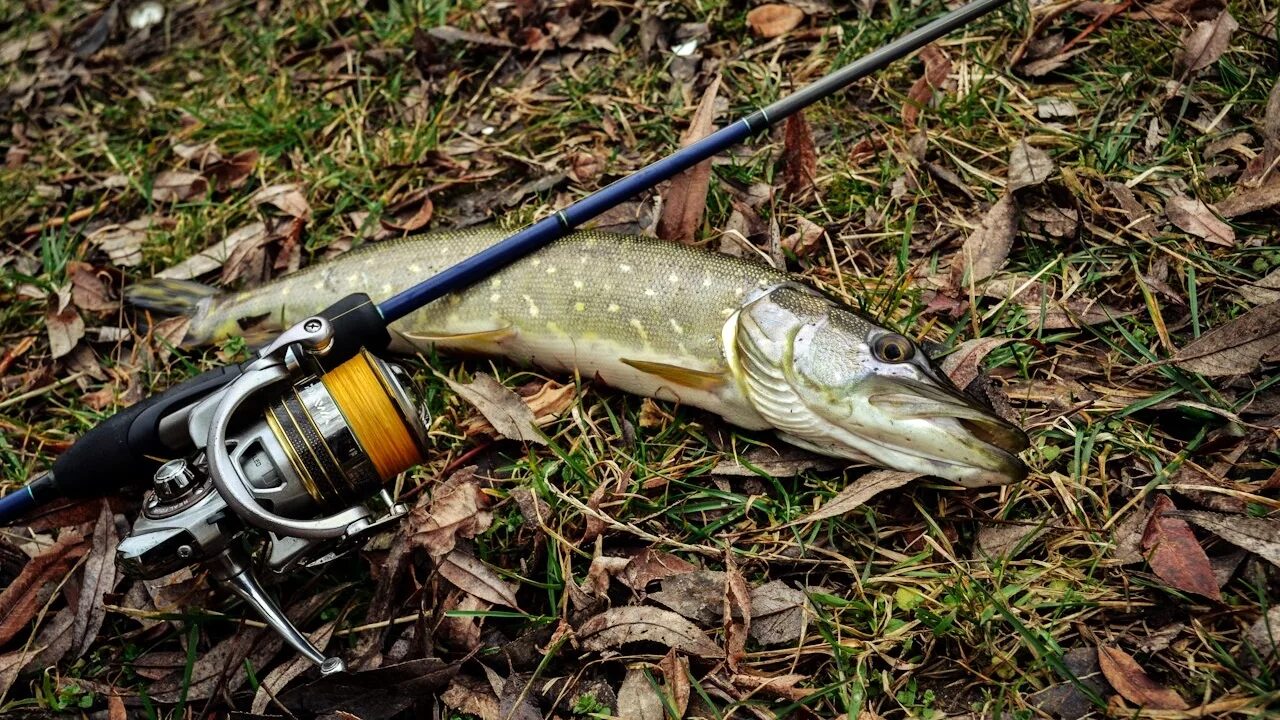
<point x="290" y="457"/>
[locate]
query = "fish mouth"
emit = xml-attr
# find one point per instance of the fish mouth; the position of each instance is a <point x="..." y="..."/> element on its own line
<point x="965" y="441"/>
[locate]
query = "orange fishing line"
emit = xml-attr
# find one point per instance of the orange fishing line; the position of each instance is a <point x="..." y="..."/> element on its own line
<point x="358" y="390"/>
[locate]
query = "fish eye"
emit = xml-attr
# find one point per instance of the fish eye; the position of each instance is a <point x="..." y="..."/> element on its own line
<point x="892" y="348"/>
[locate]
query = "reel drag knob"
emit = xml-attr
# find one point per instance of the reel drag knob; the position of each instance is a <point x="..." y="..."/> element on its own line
<point x="173" y="480"/>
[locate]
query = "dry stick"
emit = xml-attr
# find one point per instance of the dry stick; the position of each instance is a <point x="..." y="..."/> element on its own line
<point x="17" y="399"/>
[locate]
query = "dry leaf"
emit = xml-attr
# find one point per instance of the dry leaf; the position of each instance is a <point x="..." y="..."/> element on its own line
<point x="1235" y="348"/>
<point x="20" y="601"/>
<point x="469" y="574"/>
<point x="937" y="66"/>
<point x="637" y="699"/>
<point x="231" y="173"/>
<point x="1205" y="43"/>
<point x="1028" y="166"/>
<point x="650" y="565"/>
<point x="620" y="626"/>
<point x="965" y="363"/>
<point x="783" y="686"/>
<point x="1001" y="541"/>
<point x="287" y="198"/>
<point x="1133" y="683"/>
<point x="778" y="614"/>
<point x="474" y="697"/>
<point x="696" y="595"/>
<point x="1175" y="555"/>
<point x="88" y="291"/>
<point x="456" y="508"/>
<point x="63" y="324"/>
<point x="1257" y="535"/>
<point x="1266" y="290"/>
<point x="1262" y="638"/>
<point x="399" y="218"/>
<point x="123" y="243"/>
<point x="858" y="493"/>
<point x="505" y="411"/>
<point x="737" y="614"/>
<point x="675" y="676"/>
<point x="686" y="196"/>
<point x="178" y="186"/>
<point x="772" y="20"/>
<point x="804" y="241"/>
<point x="1195" y="217"/>
<point x="1251" y="199"/>
<point x="987" y="248"/>
<point x="212" y="257"/>
<point x="99" y="578"/>
<point x="799" y="158"/>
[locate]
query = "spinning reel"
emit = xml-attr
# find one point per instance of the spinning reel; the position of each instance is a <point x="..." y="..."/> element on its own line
<point x="292" y="455"/>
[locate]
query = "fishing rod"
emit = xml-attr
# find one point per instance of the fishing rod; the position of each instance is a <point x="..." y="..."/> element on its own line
<point x="316" y="422"/>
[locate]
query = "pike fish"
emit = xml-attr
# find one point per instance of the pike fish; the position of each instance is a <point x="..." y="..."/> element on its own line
<point x="664" y="320"/>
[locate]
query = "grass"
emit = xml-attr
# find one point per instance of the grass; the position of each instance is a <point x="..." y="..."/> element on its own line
<point x="358" y="105"/>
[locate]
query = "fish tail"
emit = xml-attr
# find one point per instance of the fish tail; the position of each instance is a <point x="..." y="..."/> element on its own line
<point x="187" y="298"/>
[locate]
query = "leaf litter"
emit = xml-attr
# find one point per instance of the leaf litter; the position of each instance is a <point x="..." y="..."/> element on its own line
<point x="677" y="488"/>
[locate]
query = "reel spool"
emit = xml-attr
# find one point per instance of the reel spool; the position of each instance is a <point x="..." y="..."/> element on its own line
<point x="348" y="432"/>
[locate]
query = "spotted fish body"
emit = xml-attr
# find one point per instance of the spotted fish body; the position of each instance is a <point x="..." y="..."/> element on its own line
<point x="663" y="320"/>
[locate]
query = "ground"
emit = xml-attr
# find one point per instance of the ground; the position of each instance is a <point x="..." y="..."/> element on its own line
<point x="1089" y="187"/>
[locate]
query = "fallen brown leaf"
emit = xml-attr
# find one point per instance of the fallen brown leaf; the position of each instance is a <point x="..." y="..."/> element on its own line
<point x="1265" y="290"/>
<point x="456" y="508"/>
<point x="1206" y="42"/>
<point x="621" y="626"/>
<point x="772" y="20"/>
<point x="286" y="197"/>
<point x="123" y="243"/>
<point x="1001" y="541"/>
<point x="1235" y="348"/>
<point x="20" y="601"/>
<point x="231" y="173"/>
<point x="804" y="241"/>
<point x="410" y="214"/>
<point x="737" y="614"/>
<point x="505" y="411"/>
<point x="1028" y="166"/>
<point x="1251" y="199"/>
<point x="778" y="612"/>
<point x="987" y="248"/>
<point x="88" y="291"/>
<point x="213" y="257"/>
<point x="937" y="66"/>
<point x="650" y="565"/>
<point x="1260" y="536"/>
<point x="1132" y="682"/>
<point x="858" y="493"/>
<point x="178" y="186"/>
<point x="1262" y="639"/>
<point x="637" y="699"/>
<point x="99" y="578"/>
<point x="965" y="363"/>
<point x="686" y="196"/>
<point x="63" y="324"/>
<point x="469" y="574"/>
<point x="697" y="595"/>
<point x="474" y="697"/>
<point x="1174" y="553"/>
<point x="799" y="157"/>
<point x="783" y="686"/>
<point x="1193" y="216"/>
<point x="781" y="462"/>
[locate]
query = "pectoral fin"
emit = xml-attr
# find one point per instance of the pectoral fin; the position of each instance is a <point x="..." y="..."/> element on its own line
<point x="686" y="377"/>
<point x="478" y="341"/>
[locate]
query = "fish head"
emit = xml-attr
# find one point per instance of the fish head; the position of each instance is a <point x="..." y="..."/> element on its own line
<point x="835" y="382"/>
